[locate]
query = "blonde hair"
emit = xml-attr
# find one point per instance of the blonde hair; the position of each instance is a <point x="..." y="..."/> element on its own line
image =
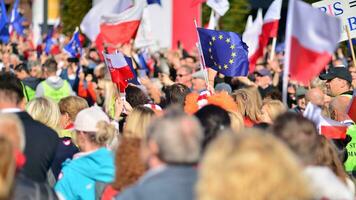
<point x="13" y="130"/>
<point x="7" y="168"/>
<point x="72" y="105"/>
<point x="46" y="111"/>
<point x="104" y="135"/>
<point x="137" y="122"/>
<point x="110" y="94"/>
<point x="248" y="102"/>
<point x="237" y="123"/>
<point x="274" y="108"/>
<point x="250" y="166"/>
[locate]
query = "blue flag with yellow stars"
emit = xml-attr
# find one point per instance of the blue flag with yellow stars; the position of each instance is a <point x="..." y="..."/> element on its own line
<point x="224" y="52"/>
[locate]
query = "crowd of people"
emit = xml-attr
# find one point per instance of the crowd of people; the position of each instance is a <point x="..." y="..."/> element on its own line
<point x="66" y="131"/>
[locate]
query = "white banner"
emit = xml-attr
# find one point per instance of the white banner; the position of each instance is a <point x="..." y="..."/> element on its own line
<point x="345" y="10"/>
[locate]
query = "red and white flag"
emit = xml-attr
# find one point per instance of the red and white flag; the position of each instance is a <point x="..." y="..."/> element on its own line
<point x="329" y="128"/>
<point x="90" y="25"/>
<point x="311" y="38"/>
<point x="351" y="111"/>
<point x="120" y="70"/>
<point x="252" y="32"/>
<point x="219" y="6"/>
<point x="269" y="30"/>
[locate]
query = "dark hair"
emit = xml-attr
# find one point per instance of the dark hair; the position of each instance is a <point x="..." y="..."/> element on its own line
<point x="51" y="65"/>
<point x="135" y="96"/>
<point x="10" y="88"/>
<point x="22" y="67"/>
<point x="299" y="133"/>
<point x="176" y="93"/>
<point x="213" y="119"/>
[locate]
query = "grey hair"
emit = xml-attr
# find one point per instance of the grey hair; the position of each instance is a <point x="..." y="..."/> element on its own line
<point x="178" y="137"/>
<point x="8" y="118"/>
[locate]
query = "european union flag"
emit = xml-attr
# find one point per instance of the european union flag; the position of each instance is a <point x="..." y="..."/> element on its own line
<point x="17" y="19"/>
<point x="74" y="47"/>
<point x="48" y="41"/>
<point x="224" y="52"/>
<point x="4" y="24"/>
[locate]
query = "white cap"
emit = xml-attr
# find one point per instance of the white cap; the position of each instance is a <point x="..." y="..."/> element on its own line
<point x="87" y="119"/>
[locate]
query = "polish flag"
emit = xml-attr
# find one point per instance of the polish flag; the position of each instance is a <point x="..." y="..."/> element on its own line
<point x="251" y="34"/>
<point x="120" y="70"/>
<point x="269" y="30"/>
<point x="329" y="128"/>
<point x="311" y="38"/>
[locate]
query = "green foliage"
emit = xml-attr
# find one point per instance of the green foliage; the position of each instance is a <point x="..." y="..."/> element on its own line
<point x="72" y="13"/>
<point x="234" y="20"/>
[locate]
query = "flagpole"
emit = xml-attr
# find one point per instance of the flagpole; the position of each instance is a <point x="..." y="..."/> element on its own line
<point x="202" y="60"/>
<point x="351" y="46"/>
<point x="274" y="41"/>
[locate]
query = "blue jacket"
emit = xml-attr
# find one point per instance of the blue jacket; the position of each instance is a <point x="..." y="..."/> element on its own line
<point x="78" y="176"/>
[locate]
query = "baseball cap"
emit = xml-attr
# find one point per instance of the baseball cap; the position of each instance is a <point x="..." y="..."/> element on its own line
<point x="88" y="118"/>
<point x="337" y="72"/>
<point x="301" y="91"/>
<point x="223" y="87"/>
<point x="263" y="72"/>
<point x="199" y="74"/>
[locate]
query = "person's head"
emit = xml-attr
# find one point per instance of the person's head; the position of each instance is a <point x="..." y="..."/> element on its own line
<point x="338" y="108"/>
<point x="50" y="67"/>
<point x="69" y="107"/>
<point x="46" y="111"/>
<point x="137" y="122"/>
<point x="326" y="155"/>
<point x="176" y="93"/>
<point x="11" y="128"/>
<point x="271" y="110"/>
<point x="235" y="164"/>
<point x="338" y="80"/>
<point x="300" y="97"/>
<point x="299" y="134"/>
<point x="248" y="102"/>
<point x="21" y="71"/>
<point x="198" y="81"/>
<point x="263" y="78"/>
<point x="175" y="138"/>
<point x="184" y="76"/>
<point x="315" y="96"/>
<point x="129" y="166"/>
<point x="11" y="93"/>
<point x="35" y="69"/>
<point x="213" y="120"/>
<point x="352" y="71"/>
<point x="93" y="129"/>
<point x="223" y="87"/>
<point x="135" y="96"/>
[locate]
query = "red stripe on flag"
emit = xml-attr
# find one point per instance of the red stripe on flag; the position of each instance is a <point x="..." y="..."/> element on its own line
<point x="352" y="109"/>
<point x="305" y="64"/>
<point x="120" y="76"/>
<point x="334" y="132"/>
<point x="119" y="33"/>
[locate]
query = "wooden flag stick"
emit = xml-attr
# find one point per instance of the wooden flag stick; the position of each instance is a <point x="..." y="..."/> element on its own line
<point x="202" y="61"/>
<point x="274" y="41"/>
<point x="351" y="46"/>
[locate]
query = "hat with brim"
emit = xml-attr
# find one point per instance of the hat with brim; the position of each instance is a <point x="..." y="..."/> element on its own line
<point x="337" y="72"/>
<point x="199" y="74"/>
<point x="87" y="119"/>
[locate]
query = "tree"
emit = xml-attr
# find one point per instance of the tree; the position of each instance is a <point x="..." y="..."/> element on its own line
<point x="72" y="13"/>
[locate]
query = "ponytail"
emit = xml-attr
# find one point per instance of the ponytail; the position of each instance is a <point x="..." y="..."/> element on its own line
<point x="105" y="133"/>
<point x="7" y="168"/>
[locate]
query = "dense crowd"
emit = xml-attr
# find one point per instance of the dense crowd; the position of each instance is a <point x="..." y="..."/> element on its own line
<point x="66" y="132"/>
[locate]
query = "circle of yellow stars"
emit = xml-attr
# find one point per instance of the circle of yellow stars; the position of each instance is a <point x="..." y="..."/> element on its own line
<point x="220" y="37"/>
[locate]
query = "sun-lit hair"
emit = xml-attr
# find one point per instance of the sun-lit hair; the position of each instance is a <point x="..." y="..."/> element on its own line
<point x="137" y="122"/>
<point x="237" y="123"/>
<point x="274" y="108"/>
<point x="7" y="168"/>
<point x="250" y="165"/>
<point x="46" y="111"/>
<point x="72" y="105"/>
<point x="110" y="94"/>
<point x="11" y="127"/>
<point x="248" y="102"/>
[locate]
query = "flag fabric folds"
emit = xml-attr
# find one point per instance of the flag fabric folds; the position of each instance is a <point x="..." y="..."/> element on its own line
<point x="154" y="2"/>
<point x="219" y="6"/>
<point x="49" y="42"/>
<point x="4" y="22"/>
<point x="311" y="38"/>
<point x="16" y="20"/>
<point x="74" y="47"/>
<point x="268" y="30"/>
<point x="252" y="32"/>
<point x="119" y="69"/>
<point x="224" y="52"/>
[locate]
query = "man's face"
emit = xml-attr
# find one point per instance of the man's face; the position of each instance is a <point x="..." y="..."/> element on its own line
<point x="183" y="77"/>
<point x="301" y="103"/>
<point x="20" y="74"/>
<point x="335" y="86"/>
<point x="262" y="80"/>
<point x="198" y="84"/>
<point x="353" y="74"/>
